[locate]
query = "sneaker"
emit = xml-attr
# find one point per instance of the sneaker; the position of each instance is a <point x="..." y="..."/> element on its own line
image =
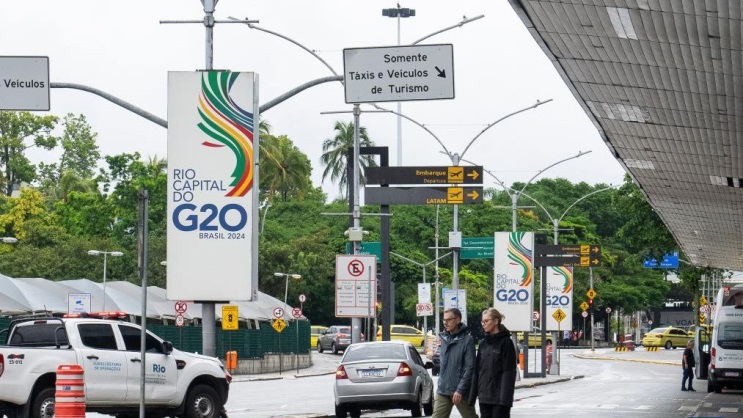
<point x="683" y="389"/>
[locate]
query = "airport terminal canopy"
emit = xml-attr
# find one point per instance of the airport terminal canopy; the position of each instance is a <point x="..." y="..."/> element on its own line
<point x="662" y="81"/>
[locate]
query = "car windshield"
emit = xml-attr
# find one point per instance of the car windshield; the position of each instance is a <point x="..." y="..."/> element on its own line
<point x="657" y="331"/>
<point x="344" y="330"/>
<point x="375" y="352"/>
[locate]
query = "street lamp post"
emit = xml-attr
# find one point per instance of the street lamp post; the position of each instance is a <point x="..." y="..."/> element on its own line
<point x="399" y="12"/>
<point x="294" y="276"/>
<point x="105" y="255"/>
<point x="423" y="266"/>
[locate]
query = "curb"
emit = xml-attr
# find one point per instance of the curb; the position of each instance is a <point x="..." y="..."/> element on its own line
<point x="547" y="382"/>
<point x="668" y="363"/>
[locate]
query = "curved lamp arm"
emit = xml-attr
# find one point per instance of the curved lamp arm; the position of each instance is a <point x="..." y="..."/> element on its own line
<point x="537" y="104"/>
<point x="252" y="26"/>
<point x="589" y="194"/>
<point x="458" y="25"/>
<point x="376" y="106"/>
<point x="579" y="154"/>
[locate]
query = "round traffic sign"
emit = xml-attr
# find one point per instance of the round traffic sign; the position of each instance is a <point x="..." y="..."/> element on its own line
<point x="278" y="312"/>
<point x="302" y="298"/>
<point x="584" y="314"/>
<point x="608" y="309"/>
<point x="650" y="322"/>
<point x="535" y="316"/>
<point x="181" y="306"/>
<point x="297" y="313"/>
<point x="179" y="320"/>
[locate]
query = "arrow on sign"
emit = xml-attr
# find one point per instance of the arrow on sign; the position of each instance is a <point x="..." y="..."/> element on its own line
<point x="473" y="175"/>
<point x="473" y="195"/>
<point x="442" y="73"/>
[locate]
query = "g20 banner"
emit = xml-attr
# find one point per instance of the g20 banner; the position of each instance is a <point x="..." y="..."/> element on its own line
<point x="514" y="278"/>
<point x="559" y="296"/>
<point x="212" y="180"/>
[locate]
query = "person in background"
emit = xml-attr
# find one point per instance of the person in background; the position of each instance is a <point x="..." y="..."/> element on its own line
<point x="457" y="361"/>
<point x="687" y="362"/>
<point x="494" y="379"/>
<point x="550" y="351"/>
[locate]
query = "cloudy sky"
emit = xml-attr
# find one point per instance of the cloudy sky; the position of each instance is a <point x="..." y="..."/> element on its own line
<point x="121" y="47"/>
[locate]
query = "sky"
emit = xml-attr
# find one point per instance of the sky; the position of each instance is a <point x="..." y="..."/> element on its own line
<point x="121" y="47"/>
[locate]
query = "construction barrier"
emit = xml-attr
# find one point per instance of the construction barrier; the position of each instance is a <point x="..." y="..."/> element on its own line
<point x="231" y="361"/>
<point x="652" y="348"/>
<point x="521" y="361"/>
<point x="69" y="399"/>
<point x="622" y="349"/>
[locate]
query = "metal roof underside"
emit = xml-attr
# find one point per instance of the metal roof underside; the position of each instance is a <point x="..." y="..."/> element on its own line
<point x="662" y="81"/>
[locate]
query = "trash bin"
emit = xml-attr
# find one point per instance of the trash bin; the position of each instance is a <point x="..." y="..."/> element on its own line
<point x="628" y="342"/>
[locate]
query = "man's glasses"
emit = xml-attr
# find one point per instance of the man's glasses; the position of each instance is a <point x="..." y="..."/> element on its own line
<point x="449" y="319"/>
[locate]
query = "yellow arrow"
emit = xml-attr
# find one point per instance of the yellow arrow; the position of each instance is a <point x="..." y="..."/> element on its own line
<point x="595" y="249"/>
<point x="594" y="261"/>
<point x="474" y="175"/>
<point x="473" y="195"/>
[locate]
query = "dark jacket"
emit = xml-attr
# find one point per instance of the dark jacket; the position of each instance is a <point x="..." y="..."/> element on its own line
<point x="457" y="362"/>
<point x="494" y="379"/>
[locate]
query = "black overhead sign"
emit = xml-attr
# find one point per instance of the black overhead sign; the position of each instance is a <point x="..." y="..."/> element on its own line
<point x="567" y="255"/>
<point x="424" y="175"/>
<point x="422" y="195"/>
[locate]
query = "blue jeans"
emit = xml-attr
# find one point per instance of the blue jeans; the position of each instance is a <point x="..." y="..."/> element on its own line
<point x="688" y="374"/>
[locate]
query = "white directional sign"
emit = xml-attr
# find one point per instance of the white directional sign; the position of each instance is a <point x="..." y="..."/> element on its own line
<point x="355" y="285"/>
<point x="398" y="73"/>
<point x="24" y="83"/>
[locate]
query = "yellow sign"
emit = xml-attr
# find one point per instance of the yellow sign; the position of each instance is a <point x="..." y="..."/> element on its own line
<point x="591" y="294"/>
<point x="559" y="315"/>
<point x="584" y="305"/>
<point x="229" y="318"/>
<point x="278" y="325"/>
<point x="456" y="174"/>
<point x="455" y="195"/>
<point x="702" y="300"/>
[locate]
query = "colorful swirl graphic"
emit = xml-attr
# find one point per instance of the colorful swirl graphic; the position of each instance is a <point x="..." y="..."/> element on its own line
<point x="229" y="125"/>
<point x="520" y="255"/>
<point x="567" y="275"/>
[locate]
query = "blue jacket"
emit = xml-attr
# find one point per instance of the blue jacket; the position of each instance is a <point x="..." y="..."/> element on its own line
<point x="457" y="362"/>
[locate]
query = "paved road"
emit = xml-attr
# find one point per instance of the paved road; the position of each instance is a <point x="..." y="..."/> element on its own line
<point x="600" y="383"/>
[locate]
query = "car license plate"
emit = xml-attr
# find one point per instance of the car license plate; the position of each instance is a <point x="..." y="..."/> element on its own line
<point x="371" y="373"/>
<point x="732" y="374"/>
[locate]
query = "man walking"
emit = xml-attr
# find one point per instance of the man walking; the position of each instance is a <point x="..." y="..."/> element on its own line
<point x="457" y="362"/>
<point x="687" y="362"/>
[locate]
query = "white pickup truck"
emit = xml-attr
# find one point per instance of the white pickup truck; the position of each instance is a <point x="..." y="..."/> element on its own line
<point x="176" y="383"/>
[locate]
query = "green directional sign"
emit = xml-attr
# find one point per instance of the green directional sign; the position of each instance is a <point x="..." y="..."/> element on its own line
<point x="482" y="247"/>
<point x="368" y="248"/>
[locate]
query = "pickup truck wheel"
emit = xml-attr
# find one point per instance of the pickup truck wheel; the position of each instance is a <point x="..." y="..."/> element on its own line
<point x="319" y="347"/>
<point x="43" y="406"/>
<point x="202" y="402"/>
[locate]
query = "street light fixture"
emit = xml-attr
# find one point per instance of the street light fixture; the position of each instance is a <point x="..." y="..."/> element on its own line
<point x="105" y="255"/>
<point x="10" y="240"/>
<point x="294" y="276"/>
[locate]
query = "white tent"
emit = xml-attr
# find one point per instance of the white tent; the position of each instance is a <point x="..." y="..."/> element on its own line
<point x="33" y="295"/>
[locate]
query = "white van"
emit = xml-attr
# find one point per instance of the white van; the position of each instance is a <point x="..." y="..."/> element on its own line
<point x="726" y="346"/>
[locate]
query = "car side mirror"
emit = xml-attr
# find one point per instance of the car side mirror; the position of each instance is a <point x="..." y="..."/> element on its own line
<point x="428" y="364"/>
<point x="167" y="347"/>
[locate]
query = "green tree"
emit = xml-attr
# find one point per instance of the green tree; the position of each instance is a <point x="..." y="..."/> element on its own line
<point x="285" y="170"/>
<point x="335" y="154"/>
<point x="20" y="131"/>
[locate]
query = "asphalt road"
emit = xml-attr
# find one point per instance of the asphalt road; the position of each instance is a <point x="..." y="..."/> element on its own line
<point x="603" y="383"/>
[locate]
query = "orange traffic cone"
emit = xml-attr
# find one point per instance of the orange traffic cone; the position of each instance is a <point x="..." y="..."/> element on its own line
<point x="69" y="400"/>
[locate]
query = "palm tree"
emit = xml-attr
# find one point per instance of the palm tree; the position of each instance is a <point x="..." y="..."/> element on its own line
<point x="285" y="170"/>
<point x="335" y="152"/>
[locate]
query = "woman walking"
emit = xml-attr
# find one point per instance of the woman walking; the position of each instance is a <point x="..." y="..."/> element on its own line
<point x="494" y="377"/>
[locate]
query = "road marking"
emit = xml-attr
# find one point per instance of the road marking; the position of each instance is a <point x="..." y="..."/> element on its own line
<point x="729" y="410"/>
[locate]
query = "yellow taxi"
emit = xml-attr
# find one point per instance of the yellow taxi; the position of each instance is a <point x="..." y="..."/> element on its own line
<point x="404" y="332"/>
<point x="668" y="337"/>
<point x="315" y="331"/>
<point x="535" y="338"/>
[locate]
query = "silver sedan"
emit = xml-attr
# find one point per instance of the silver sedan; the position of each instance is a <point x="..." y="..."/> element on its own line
<point x="383" y="375"/>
